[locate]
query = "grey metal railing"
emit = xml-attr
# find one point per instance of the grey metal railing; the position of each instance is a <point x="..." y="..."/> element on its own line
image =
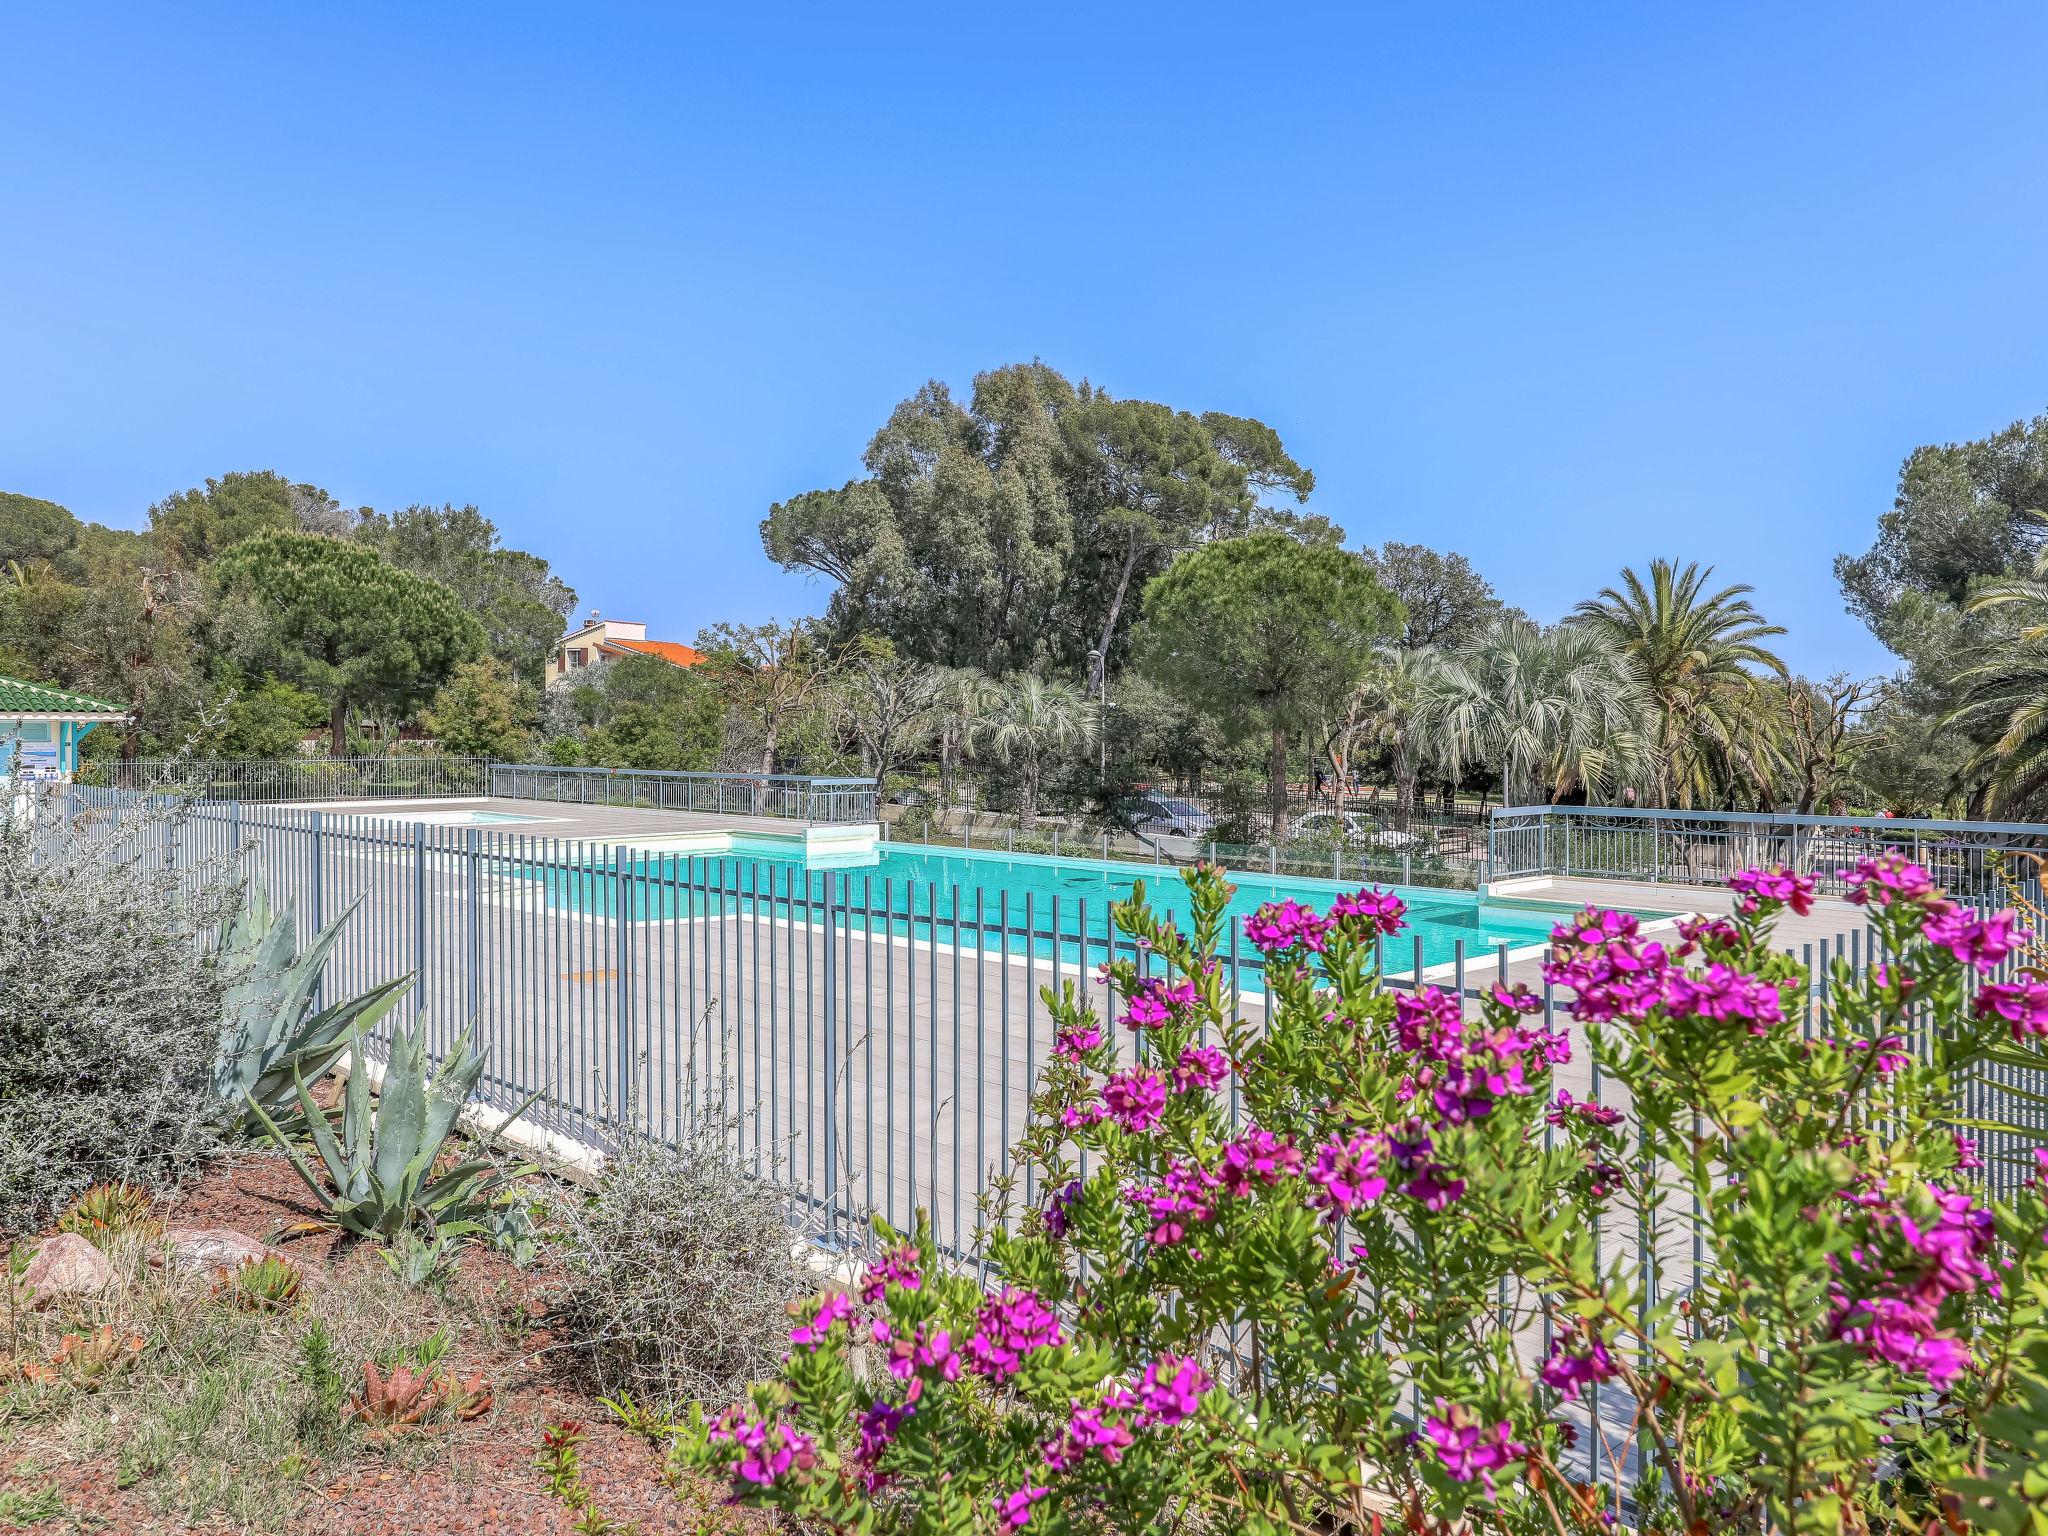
<point x="412" y="775"/>
<point x="871" y="1043"/>
<point x="1705" y="847"/>
<point x="792" y="796"/>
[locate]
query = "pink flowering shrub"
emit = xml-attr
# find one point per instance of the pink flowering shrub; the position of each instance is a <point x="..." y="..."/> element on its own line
<point x="1363" y="1263"/>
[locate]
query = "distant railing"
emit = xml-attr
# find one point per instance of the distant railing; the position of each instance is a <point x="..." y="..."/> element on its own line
<point x="1705" y="847"/>
<point x="791" y="796"/>
<point x="417" y="775"/>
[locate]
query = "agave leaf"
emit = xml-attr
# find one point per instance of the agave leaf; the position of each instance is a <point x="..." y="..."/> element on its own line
<point x="402" y="1109"/>
<point x="305" y="1172"/>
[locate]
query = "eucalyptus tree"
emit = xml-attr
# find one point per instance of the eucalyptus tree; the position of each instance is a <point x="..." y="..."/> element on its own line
<point x="1024" y="722"/>
<point x="1700" y="655"/>
<point x="1551" y="710"/>
<point x="1017" y="530"/>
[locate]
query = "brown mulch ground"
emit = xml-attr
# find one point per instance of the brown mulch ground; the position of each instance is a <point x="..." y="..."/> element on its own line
<point x="482" y="1478"/>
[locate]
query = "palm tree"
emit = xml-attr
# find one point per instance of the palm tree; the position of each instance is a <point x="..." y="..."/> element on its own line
<point x="1698" y="654"/>
<point x="1552" y="709"/>
<point x="1026" y="720"/>
<point x="2003" y="687"/>
<point x="1383" y="711"/>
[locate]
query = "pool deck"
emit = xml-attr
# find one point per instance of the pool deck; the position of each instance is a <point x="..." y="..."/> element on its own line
<point x="616" y="824"/>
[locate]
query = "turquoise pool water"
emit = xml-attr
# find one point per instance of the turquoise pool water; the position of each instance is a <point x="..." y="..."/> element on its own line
<point x="1013" y="902"/>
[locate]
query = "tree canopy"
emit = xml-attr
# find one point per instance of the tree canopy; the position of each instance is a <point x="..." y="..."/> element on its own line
<point x="518" y="600"/>
<point x="1017" y="530"/>
<point x="338" y="620"/>
<point x="1258" y="629"/>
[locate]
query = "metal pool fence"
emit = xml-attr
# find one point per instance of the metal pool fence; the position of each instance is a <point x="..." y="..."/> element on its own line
<point x="1705" y="847"/>
<point x="869" y="1044"/>
<point x="421" y="775"/>
<point x="796" y="796"/>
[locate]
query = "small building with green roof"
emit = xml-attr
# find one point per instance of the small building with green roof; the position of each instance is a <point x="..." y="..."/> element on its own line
<point x="45" y="725"/>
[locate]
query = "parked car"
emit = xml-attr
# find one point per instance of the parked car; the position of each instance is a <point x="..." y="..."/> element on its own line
<point x="1352" y="827"/>
<point x="1163" y="816"/>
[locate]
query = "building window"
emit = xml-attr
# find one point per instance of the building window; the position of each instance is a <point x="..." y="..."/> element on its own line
<point x="576" y="656"/>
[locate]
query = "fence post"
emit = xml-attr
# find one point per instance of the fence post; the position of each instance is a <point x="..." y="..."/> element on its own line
<point x="831" y="986"/>
<point x="419" y="917"/>
<point x="234" y="826"/>
<point x="1543" y="842"/>
<point x="319" y="904"/>
<point x="622" y="960"/>
<point x="474" y="947"/>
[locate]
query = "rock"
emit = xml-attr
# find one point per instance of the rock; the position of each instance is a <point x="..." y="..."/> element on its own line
<point x="66" y="1265"/>
<point x="210" y="1250"/>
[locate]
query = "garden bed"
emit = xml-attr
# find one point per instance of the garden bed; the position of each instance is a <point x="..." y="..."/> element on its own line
<point x="219" y="1423"/>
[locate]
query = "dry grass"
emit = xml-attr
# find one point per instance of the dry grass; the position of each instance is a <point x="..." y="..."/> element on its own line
<point x="232" y="1415"/>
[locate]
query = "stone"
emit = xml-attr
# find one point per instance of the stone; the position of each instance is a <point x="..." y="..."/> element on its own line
<point x="210" y="1250"/>
<point x="66" y="1265"/>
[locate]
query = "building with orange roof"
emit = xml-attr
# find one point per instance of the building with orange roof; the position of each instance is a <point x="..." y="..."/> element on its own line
<point x="601" y="640"/>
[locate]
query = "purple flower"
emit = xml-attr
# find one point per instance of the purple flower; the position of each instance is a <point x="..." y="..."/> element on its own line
<point x="924" y="1352"/>
<point x="1903" y="1332"/>
<point x="1576" y="1361"/>
<point x="1429" y="1023"/>
<point x="1467" y="1446"/>
<point x="1013" y="1511"/>
<point x="1769" y="889"/>
<point x="879" y="1423"/>
<point x="1519" y="999"/>
<point x="1170" y="1390"/>
<point x="1075" y="1044"/>
<point x="833" y="1307"/>
<point x="1059" y="1210"/>
<point x="1155" y="1002"/>
<point x="1979" y="942"/>
<point x="1257" y="1157"/>
<point x="897" y="1267"/>
<point x="1099" y="1427"/>
<point x="1278" y="926"/>
<point x="1008" y="1328"/>
<point x="1200" y="1066"/>
<point x="1586" y="1110"/>
<point x="768" y="1448"/>
<point x="1135" y="1099"/>
<point x="2022" y="1004"/>
<point x="1888" y="878"/>
<point x="1349" y="1173"/>
<point x="1371" y="911"/>
<point x="1181" y="1198"/>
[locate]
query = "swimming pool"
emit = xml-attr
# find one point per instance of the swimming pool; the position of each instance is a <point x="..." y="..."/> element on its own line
<point x="1016" y="903"/>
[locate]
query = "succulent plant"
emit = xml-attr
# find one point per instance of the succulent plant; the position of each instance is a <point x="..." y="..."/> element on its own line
<point x="405" y="1401"/>
<point x="106" y="1211"/>
<point x="382" y="1176"/>
<point x="87" y="1359"/>
<point x="271" y="1036"/>
<point x="269" y="1284"/>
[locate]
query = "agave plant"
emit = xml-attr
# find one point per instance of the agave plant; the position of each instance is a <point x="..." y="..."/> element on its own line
<point x="269" y="1284"/>
<point x="106" y="1211"/>
<point x="270" y="1032"/>
<point x="88" y="1359"/>
<point x="407" y="1400"/>
<point x="383" y="1170"/>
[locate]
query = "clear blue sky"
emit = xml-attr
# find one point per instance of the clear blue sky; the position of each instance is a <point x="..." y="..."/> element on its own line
<point x="1564" y="287"/>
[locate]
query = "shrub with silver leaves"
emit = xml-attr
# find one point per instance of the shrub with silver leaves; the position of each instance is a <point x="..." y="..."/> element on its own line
<point x="109" y="1013"/>
<point x="680" y="1269"/>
